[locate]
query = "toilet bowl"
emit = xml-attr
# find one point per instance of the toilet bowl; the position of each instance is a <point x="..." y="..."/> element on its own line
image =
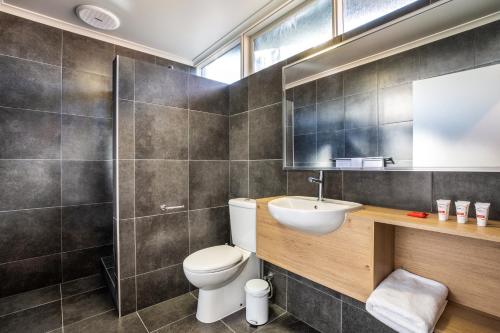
<point x="220" y="272"/>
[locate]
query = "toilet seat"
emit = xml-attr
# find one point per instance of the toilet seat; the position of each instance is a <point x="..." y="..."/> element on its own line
<point x="213" y="259"/>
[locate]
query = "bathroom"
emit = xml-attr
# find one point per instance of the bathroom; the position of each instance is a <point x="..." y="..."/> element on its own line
<point x="150" y="168"/>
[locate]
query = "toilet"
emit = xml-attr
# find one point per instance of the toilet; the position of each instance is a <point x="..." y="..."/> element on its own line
<point x="220" y="272"/>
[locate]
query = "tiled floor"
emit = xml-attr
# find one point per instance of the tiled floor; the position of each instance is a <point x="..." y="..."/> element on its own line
<point x="85" y="305"/>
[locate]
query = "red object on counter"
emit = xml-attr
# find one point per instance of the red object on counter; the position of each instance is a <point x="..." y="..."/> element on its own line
<point x="421" y="215"/>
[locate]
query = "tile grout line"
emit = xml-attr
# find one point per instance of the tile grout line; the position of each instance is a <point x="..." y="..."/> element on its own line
<point x="61" y="177"/>
<point x="225" y="324"/>
<point x="142" y="322"/>
<point x="93" y="316"/>
<point x="31" y="307"/>
<point x="174" y="322"/>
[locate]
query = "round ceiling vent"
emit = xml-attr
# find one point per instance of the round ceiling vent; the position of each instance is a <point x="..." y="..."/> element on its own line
<point x="97" y="17"/>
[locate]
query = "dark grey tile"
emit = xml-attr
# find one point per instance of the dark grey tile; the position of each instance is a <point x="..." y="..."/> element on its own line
<point x="29" y="274"/>
<point x="161" y="132"/>
<point x="304" y="94"/>
<point x="333" y="185"/>
<point x="27" y="39"/>
<point x="304" y="148"/>
<point x="360" y="79"/>
<point x="330" y="87"/>
<point x="238" y="96"/>
<point x="361" y="110"/>
<point x="471" y="186"/>
<point x="29" y="184"/>
<point x="86" y="226"/>
<point x="288" y="323"/>
<point x="29" y="134"/>
<point x="487" y="43"/>
<point x="192" y="325"/>
<point x="238" y="323"/>
<point x="128" y="296"/>
<point x="80" y="263"/>
<point x="162" y="241"/>
<point x="299" y="185"/>
<point x="268" y="265"/>
<point x="108" y="322"/>
<point x="159" y="85"/>
<point x="448" y="55"/>
<point x="174" y="65"/>
<point x="208" y="227"/>
<point x="83" y="306"/>
<point x="208" y="95"/>
<point x="330" y="115"/>
<point x="85" y="138"/>
<point x="330" y="145"/>
<point x="355" y="320"/>
<point x="127" y="248"/>
<point x="82" y="285"/>
<point x="396" y="141"/>
<point x="398" y="69"/>
<point x="264" y="87"/>
<point x="133" y="54"/>
<point x="238" y="137"/>
<point x="87" y="54"/>
<point x="400" y="190"/>
<point x="208" y="136"/>
<point x="361" y="142"/>
<point x="208" y="184"/>
<point x="40" y="319"/>
<point x="160" y="285"/>
<point x="29" y="85"/>
<point x="29" y="233"/>
<point x="266" y="133"/>
<point x="238" y="187"/>
<point x="159" y="182"/>
<point x="279" y="282"/>
<point x="354" y="302"/>
<point x="311" y="284"/>
<point x="395" y="104"/>
<point x="126" y="135"/>
<point x="85" y="182"/>
<point x="267" y="178"/>
<point x="86" y="94"/>
<point x="304" y="120"/>
<point x="320" y="310"/>
<point x="126" y="77"/>
<point x="126" y="189"/>
<point x="165" y="313"/>
<point x="29" y="299"/>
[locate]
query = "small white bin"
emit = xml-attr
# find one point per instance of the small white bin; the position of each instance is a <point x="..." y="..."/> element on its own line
<point x="257" y="291"/>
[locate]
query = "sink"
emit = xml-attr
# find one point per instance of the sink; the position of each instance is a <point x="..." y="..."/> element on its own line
<point x="310" y="215"/>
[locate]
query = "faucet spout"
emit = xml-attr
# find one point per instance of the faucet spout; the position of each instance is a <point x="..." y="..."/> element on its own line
<point x="320" y="181"/>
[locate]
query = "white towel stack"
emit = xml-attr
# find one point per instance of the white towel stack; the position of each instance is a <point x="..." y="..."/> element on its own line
<point x="407" y="302"/>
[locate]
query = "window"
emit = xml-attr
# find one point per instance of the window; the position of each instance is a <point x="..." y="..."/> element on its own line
<point x="358" y="12"/>
<point x="309" y="26"/>
<point x="226" y="68"/>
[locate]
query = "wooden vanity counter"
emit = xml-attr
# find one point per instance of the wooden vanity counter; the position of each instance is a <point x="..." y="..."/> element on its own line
<point x="374" y="241"/>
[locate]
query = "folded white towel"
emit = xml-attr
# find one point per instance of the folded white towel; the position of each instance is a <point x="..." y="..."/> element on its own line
<point x="407" y="302"/>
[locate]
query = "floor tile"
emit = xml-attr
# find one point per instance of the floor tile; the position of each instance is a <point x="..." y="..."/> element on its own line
<point x="286" y="323"/>
<point x="29" y="299"/>
<point x="82" y="285"/>
<point x="192" y="325"/>
<point x="108" y="322"/>
<point x="238" y="323"/>
<point x="42" y="318"/>
<point x="82" y="306"/>
<point x="167" y="312"/>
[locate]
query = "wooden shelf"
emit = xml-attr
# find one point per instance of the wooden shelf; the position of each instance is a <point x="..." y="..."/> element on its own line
<point x="431" y="223"/>
<point x="459" y="319"/>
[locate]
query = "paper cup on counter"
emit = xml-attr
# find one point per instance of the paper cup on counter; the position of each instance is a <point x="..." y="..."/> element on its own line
<point x="462" y="208"/>
<point x="443" y="209"/>
<point x="482" y="211"/>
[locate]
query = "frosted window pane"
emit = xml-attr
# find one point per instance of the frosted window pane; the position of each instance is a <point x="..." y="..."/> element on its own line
<point x="226" y="68"/>
<point x="308" y="27"/>
<point x="359" y="12"/>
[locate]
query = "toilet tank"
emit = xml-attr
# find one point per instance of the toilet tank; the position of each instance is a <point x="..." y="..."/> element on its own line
<point x="242" y="214"/>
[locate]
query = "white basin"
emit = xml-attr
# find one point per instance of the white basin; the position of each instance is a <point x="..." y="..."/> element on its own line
<point x="310" y="215"/>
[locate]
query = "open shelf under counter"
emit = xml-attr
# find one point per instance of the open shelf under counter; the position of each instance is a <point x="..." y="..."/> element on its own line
<point x="460" y="319"/>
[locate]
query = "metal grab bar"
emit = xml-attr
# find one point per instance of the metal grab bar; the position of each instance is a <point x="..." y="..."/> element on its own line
<point x="165" y="208"/>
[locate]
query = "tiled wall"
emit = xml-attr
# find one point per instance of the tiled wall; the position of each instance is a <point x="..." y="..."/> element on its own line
<point x="55" y="153"/>
<point x="173" y="149"/>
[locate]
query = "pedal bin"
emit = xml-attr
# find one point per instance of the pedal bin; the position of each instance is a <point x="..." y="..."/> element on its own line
<point x="257" y="301"/>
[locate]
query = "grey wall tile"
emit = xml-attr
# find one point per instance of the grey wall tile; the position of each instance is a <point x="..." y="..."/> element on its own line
<point x="29" y="233"/>
<point x="355" y="320"/>
<point x="208" y="95"/>
<point x="42" y="318"/>
<point x="304" y="94"/>
<point x="330" y="145"/>
<point x="174" y="65"/>
<point x="361" y="110"/>
<point x="127" y="248"/>
<point x="208" y="184"/>
<point x="288" y="323"/>
<point x="30" y="85"/>
<point x="395" y="104"/>
<point x="361" y="142"/>
<point x="160" y="182"/>
<point x="333" y="185"/>
<point x="279" y="282"/>
<point x="82" y="285"/>
<point x="126" y="78"/>
<point x="87" y="54"/>
<point x="86" y="94"/>
<point x="330" y="115"/>
<point x="160" y="285"/>
<point x="304" y="120"/>
<point x="159" y="85"/>
<point x="398" y="69"/>
<point x="304" y="148"/>
<point x="487" y="43"/>
<point x="238" y="96"/>
<point x="208" y="227"/>
<point x="208" y="136"/>
<point x="161" y="132"/>
<point x="29" y="134"/>
<point x="360" y="79"/>
<point x="399" y="190"/>
<point x="29" y="274"/>
<point x="396" y="141"/>
<point x="133" y="54"/>
<point x="85" y="182"/>
<point x="42" y="178"/>
<point x="80" y="263"/>
<point x="162" y="241"/>
<point x="330" y="87"/>
<point x="128" y="296"/>
<point x="299" y="185"/>
<point x="264" y="87"/>
<point x="29" y="299"/>
<point x="126" y="134"/>
<point x="266" y="133"/>
<point x="127" y="189"/>
<point x="85" y="138"/>
<point x="238" y="137"/>
<point x="86" y="226"/>
<point x="267" y="178"/>
<point x="79" y="307"/>
<point x="238" y="179"/>
<point x="306" y="283"/>
<point x="27" y="39"/>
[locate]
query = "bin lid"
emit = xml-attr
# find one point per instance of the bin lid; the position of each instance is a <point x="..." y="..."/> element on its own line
<point x="257" y="287"/>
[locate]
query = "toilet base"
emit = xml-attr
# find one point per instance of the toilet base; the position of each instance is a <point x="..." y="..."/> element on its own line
<point x="216" y="304"/>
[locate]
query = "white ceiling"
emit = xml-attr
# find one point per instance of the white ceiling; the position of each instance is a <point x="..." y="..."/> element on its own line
<point x="184" y="28"/>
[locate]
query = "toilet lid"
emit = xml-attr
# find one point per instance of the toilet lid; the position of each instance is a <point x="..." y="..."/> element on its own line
<point x="213" y="259"/>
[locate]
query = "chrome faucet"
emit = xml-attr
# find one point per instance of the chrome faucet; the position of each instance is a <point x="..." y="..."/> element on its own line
<point x="320" y="181"/>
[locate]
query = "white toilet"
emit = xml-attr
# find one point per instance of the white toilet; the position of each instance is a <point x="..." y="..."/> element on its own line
<point x="220" y="272"/>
